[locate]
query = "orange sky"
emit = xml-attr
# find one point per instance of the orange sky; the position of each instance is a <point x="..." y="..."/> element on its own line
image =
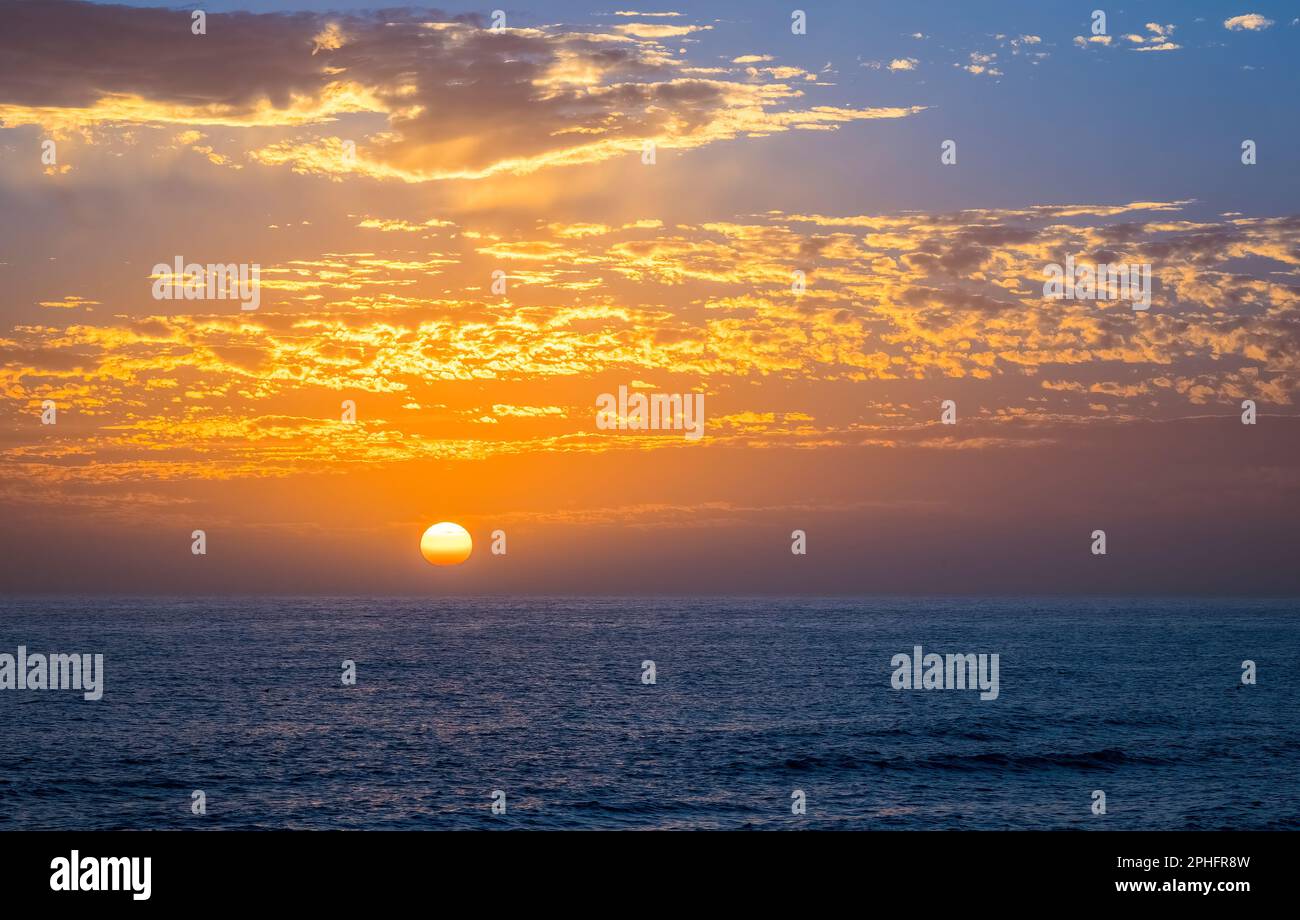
<point x="523" y="152"/>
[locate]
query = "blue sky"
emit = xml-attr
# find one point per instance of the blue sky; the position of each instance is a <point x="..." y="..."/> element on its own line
<point x="1107" y="124"/>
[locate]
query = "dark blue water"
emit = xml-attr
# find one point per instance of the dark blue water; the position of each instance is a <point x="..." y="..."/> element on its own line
<point x="543" y="699"/>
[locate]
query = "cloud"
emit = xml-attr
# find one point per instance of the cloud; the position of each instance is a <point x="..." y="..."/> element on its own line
<point x="405" y="96"/>
<point x="981" y="63"/>
<point x="69" y="302"/>
<point x="1159" y="38"/>
<point x="528" y="411"/>
<point x="656" y="30"/>
<point x="1250" y="22"/>
<point x="403" y="226"/>
<point x="901" y="300"/>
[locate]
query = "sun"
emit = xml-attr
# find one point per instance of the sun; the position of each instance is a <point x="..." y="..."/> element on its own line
<point x="446" y="543"/>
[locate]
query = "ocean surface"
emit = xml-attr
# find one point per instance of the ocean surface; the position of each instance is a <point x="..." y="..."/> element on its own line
<point x="753" y="699"/>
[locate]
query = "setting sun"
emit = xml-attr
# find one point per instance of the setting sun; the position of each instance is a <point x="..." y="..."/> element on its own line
<point x="446" y="543"/>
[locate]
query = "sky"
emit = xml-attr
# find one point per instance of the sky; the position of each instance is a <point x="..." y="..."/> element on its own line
<point x="677" y="200"/>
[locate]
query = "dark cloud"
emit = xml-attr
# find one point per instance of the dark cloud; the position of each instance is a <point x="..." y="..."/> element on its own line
<point x="459" y="99"/>
<point x="70" y="54"/>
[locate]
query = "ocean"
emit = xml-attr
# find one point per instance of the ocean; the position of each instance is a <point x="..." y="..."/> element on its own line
<point x="754" y="701"/>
